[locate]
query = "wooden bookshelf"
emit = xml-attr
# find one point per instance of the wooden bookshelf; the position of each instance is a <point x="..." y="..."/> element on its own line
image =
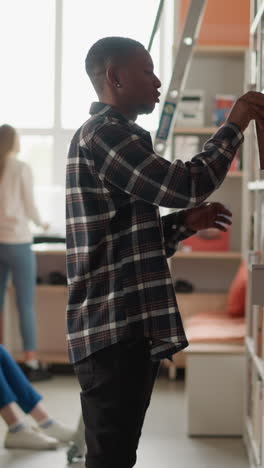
<point x="235" y="174"/>
<point x="223" y="348"/>
<point x="254" y="253"/>
<point x="194" y="130"/>
<point x="208" y="255"/>
<point x="220" y="49"/>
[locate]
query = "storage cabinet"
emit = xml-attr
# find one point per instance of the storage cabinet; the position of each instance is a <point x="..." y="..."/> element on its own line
<point x="50" y="306"/>
<point x="214" y="372"/>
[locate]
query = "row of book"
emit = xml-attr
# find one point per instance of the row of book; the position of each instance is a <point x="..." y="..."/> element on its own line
<point x="191" y="110"/>
<point x="258" y="330"/>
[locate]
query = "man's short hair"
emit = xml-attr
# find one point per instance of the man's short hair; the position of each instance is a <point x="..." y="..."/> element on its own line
<point x="108" y="50"/>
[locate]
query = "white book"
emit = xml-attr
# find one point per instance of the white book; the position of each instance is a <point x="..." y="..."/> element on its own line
<point x="186" y="147"/>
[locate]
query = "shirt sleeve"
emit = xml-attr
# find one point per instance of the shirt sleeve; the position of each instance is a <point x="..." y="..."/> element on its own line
<point x="125" y="160"/>
<point x="28" y="196"/>
<point x="174" y="231"/>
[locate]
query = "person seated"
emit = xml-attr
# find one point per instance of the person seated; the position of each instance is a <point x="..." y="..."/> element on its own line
<point x="15" y="389"/>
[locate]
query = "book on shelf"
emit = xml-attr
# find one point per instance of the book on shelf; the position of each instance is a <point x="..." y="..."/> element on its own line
<point x="262" y="333"/>
<point x="186" y="147"/>
<point x="253" y="257"/>
<point x="256" y="230"/>
<point x="256" y="287"/>
<point x="257" y="413"/>
<point x="249" y="401"/>
<point x="260" y="142"/>
<point x="222" y="105"/>
<point x="191" y="109"/>
<point x="258" y="160"/>
<point x="260" y="222"/>
<point x="257" y="329"/>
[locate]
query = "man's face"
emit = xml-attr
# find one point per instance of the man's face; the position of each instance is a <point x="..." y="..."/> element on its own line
<point x="139" y="83"/>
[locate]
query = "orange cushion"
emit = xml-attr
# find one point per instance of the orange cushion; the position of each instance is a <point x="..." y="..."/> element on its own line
<point x="215" y="327"/>
<point x="236" y="299"/>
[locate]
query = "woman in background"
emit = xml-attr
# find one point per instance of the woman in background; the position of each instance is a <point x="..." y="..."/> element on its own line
<point x="16" y="389"/>
<point x="17" y="208"/>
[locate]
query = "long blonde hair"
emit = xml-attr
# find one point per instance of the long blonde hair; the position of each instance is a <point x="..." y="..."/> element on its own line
<point x="7" y="141"/>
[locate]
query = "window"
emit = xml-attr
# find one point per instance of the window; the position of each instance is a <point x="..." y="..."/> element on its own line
<point x="45" y="92"/>
<point x="129" y="19"/>
<point x="27" y="63"/>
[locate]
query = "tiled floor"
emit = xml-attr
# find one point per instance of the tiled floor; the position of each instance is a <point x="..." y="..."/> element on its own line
<point x="164" y="443"/>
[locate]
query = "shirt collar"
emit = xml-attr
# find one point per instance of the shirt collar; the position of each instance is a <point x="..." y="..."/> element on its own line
<point x="101" y="108"/>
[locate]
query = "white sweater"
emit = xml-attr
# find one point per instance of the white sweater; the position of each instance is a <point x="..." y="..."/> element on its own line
<point x="17" y="206"/>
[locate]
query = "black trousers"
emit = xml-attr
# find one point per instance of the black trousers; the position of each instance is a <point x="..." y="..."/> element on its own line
<point x="116" y="384"/>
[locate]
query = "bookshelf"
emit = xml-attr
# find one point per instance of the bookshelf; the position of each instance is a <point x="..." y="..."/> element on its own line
<point x="219" y="267"/>
<point x="217" y="67"/>
<point x="194" y="131"/>
<point x="209" y="255"/>
<point x="253" y="248"/>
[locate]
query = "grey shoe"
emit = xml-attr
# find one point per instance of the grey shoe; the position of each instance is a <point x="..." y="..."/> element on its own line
<point x="30" y="438"/>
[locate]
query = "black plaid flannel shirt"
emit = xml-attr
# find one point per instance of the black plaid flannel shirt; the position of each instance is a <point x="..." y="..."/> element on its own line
<point x="117" y="242"/>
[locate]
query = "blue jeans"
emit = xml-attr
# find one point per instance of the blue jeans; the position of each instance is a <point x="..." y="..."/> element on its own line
<point x="20" y="261"/>
<point x="14" y="386"/>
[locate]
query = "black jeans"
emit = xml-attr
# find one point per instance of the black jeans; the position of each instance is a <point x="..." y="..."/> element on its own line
<point x="116" y="385"/>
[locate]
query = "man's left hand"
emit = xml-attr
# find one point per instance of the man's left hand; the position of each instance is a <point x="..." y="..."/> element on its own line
<point x="208" y="215"/>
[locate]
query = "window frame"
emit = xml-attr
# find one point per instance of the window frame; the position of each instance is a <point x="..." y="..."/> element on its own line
<point x="61" y="136"/>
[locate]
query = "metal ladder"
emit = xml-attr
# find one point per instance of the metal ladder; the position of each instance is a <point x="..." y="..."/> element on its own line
<point x="179" y="75"/>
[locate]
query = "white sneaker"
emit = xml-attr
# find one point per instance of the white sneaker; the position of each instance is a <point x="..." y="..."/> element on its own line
<point x="59" y="431"/>
<point x="30" y="438"/>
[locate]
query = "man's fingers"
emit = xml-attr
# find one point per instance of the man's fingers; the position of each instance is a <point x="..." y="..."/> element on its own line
<point x="253" y="97"/>
<point x="226" y="217"/>
<point x="258" y="112"/>
<point x="220" y="226"/>
<point x="226" y="213"/>
<point x="221" y="210"/>
<point x="224" y="220"/>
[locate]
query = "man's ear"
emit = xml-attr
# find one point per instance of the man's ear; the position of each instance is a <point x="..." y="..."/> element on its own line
<point x="112" y="77"/>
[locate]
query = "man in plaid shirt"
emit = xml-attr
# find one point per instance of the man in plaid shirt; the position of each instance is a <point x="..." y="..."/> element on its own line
<point x="122" y="314"/>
